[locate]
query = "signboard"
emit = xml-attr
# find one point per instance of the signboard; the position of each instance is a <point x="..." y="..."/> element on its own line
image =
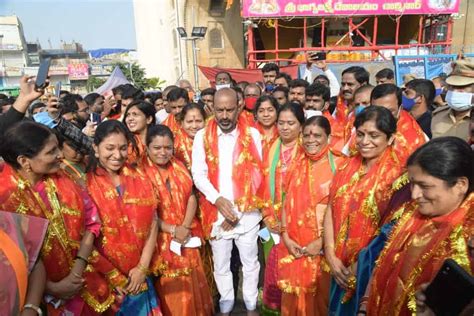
<point x="277" y="8"/>
<point x="78" y="71"/>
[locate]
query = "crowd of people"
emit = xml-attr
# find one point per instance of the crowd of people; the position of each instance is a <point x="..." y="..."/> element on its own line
<point x="332" y="196"/>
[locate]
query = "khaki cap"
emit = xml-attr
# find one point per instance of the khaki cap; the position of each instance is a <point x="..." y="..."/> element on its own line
<point x="462" y="74"/>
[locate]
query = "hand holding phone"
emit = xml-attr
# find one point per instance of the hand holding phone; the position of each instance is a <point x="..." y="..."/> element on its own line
<point x="42" y="76"/>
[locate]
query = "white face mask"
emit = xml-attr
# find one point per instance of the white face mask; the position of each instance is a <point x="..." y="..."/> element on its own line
<point x="220" y="86"/>
<point x="311" y="113"/>
<point x="459" y="101"/>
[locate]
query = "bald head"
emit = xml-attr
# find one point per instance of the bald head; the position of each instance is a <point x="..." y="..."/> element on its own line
<point x="226" y="109"/>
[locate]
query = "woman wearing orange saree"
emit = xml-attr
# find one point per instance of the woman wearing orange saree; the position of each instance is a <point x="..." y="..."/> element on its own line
<point x="281" y="156"/>
<point x="265" y="111"/>
<point x="138" y="116"/>
<point x="127" y="206"/>
<point x="192" y="119"/>
<point x="181" y="285"/>
<point x="359" y="196"/>
<point x="32" y="184"/>
<point x="436" y="225"/>
<point x="23" y="275"/>
<point x="304" y="284"/>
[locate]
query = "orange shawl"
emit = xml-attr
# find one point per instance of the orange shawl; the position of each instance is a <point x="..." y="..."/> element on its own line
<point x="272" y="191"/>
<point x="359" y="199"/>
<point x="246" y="172"/>
<point x="172" y="208"/>
<point x="172" y="123"/>
<point x="127" y="219"/>
<point x="247" y="118"/>
<point x="135" y="157"/>
<point x="268" y="138"/>
<point x="415" y="252"/>
<point x="307" y="195"/>
<point x="183" y="148"/>
<point x="65" y="230"/>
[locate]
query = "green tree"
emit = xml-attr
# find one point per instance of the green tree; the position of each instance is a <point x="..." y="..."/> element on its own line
<point x="134" y="73"/>
<point x="155" y="83"/>
<point x="94" y="82"/>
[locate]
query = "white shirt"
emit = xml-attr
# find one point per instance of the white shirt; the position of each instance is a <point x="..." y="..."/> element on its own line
<point x="226" y="144"/>
<point x="333" y="82"/>
<point x="161" y="116"/>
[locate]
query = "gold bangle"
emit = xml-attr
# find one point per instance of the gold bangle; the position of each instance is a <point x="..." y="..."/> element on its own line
<point x="143" y="269"/>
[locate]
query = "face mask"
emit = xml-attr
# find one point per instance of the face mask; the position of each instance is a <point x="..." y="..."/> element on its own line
<point x="220" y="86"/>
<point x="358" y="109"/>
<point x="45" y="119"/>
<point x="408" y="103"/>
<point x="459" y="101"/>
<point x="311" y="113"/>
<point x="269" y="87"/>
<point x="438" y="91"/>
<point x="250" y="103"/>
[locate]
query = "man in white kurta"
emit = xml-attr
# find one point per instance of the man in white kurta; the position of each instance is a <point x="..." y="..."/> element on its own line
<point x="231" y="224"/>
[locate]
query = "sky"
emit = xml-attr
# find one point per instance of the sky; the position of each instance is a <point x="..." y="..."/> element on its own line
<point x="93" y="23"/>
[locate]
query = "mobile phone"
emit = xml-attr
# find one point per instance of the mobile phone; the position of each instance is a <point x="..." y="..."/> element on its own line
<point x="95" y="118"/>
<point x="451" y="289"/>
<point x="57" y="89"/>
<point x="317" y="56"/>
<point x="42" y="75"/>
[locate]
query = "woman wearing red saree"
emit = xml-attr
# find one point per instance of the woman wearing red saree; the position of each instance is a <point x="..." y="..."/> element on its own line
<point x="33" y="185"/>
<point x="304" y="284"/>
<point x="127" y="206"/>
<point x="359" y="195"/>
<point x="265" y="111"/>
<point x="192" y="119"/>
<point x="138" y="116"/>
<point x="436" y="225"/>
<point x="181" y="285"/>
<point x="282" y="153"/>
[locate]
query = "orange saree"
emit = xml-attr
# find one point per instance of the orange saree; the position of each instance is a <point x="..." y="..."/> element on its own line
<point x="65" y="210"/>
<point x="304" y="284"/>
<point x="359" y="199"/>
<point x="415" y="252"/>
<point x="181" y="285"/>
<point x="126" y="218"/>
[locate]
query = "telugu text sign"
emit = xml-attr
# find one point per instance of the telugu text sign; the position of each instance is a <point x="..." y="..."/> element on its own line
<point x="274" y="8"/>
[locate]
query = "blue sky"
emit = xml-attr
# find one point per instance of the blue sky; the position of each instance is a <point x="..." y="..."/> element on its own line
<point x="93" y="23"/>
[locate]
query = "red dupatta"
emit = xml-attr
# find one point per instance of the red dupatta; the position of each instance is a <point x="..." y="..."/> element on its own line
<point x="246" y="172"/>
<point x="126" y="218"/>
<point x="64" y="211"/>
<point x="358" y="199"/>
<point x="174" y="186"/>
<point x="415" y="251"/>
<point x="307" y="195"/>
<point x="183" y="148"/>
<point x="247" y="118"/>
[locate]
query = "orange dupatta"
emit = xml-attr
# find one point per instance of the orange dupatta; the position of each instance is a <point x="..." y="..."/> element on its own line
<point x="414" y="253"/>
<point x="247" y="118"/>
<point x="307" y="195"/>
<point x="126" y="219"/>
<point x="174" y="187"/>
<point x="66" y="227"/>
<point x="268" y="138"/>
<point x="359" y="198"/>
<point x="171" y="122"/>
<point x="183" y="148"/>
<point x="246" y="172"/>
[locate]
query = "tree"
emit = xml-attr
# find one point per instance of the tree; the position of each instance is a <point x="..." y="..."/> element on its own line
<point x="155" y="83"/>
<point x="94" y="82"/>
<point x="134" y="73"/>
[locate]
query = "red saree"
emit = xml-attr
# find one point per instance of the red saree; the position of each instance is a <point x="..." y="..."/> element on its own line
<point x="415" y="252"/>
<point x="65" y="212"/>
<point x="246" y="173"/>
<point x="126" y="218"/>
<point x="182" y="285"/>
<point x="358" y="201"/>
<point x="304" y="284"/>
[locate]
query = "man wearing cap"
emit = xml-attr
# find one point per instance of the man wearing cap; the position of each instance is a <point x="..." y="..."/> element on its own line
<point x="454" y="119"/>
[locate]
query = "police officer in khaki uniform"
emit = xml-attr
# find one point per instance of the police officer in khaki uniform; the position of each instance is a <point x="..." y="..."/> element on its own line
<point x="454" y="119"/>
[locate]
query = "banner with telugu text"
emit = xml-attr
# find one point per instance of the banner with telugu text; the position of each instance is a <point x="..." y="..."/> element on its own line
<point x="281" y="8"/>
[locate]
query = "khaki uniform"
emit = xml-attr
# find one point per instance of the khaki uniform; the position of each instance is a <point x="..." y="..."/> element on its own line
<point x="444" y="123"/>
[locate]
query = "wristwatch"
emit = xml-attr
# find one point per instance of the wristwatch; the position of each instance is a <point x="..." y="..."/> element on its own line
<point x="35" y="308"/>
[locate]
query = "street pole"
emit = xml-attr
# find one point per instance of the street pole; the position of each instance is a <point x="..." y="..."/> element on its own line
<point x="196" y="76"/>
